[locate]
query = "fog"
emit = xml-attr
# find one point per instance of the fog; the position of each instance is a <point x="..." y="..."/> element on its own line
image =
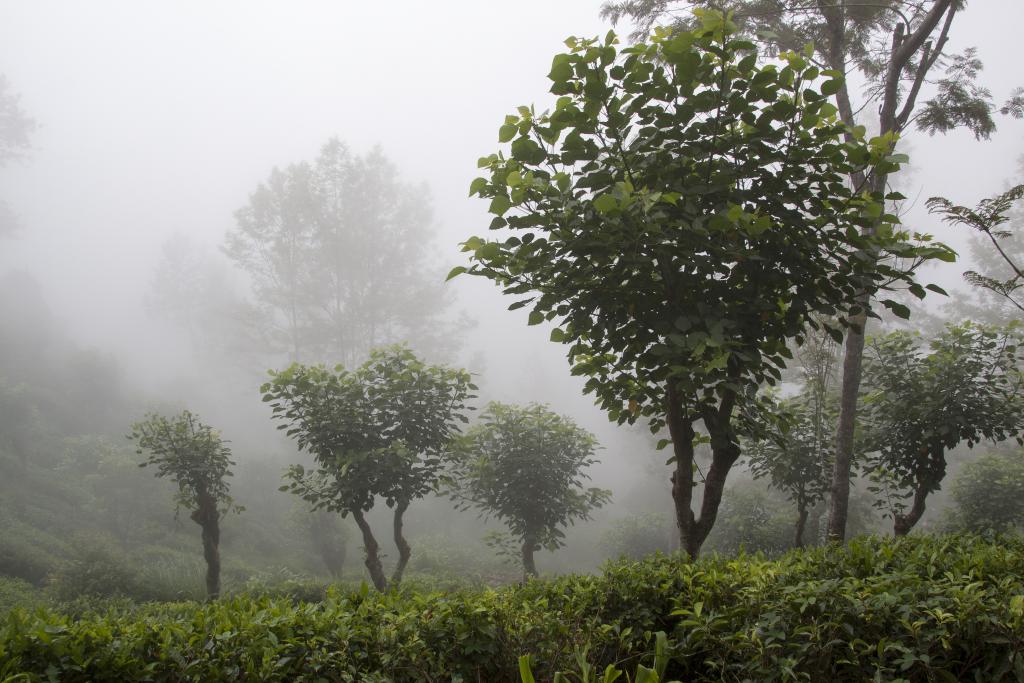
<point x="157" y="120"/>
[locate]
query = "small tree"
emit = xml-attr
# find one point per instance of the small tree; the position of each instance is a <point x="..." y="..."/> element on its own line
<point x="524" y="466"/>
<point x="919" y="405"/>
<point x="193" y="455"/>
<point x="989" y="493"/>
<point x="798" y="459"/>
<point x="380" y="430"/>
<point x="683" y="213"/>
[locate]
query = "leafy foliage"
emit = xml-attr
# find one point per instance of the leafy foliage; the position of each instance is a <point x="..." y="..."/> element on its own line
<point x="914" y="609"/>
<point x="920" y="405"/>
<point x="987" y="219"/>
<point x="524" y="466"/>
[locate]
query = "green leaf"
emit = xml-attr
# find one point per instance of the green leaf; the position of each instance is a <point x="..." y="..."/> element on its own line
<point x="507" y="132"/>
<point x="558" y="335"/>
<point x="455" y="272"/>
<point x="525" y="673"/>
<point x="536" y="318"/>
<point x="605" y="203"/>
<point x="499" y="205"/>
<point x="898" y="309"/>
<point x="477" y="185"/>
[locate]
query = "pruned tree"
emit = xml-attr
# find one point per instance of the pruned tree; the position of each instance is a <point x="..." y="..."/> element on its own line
<point x="898" y="47"/>
<point x="193" y="456"/>
<point x="380" y="430"/>
<point x="965" y="388"/>
<point x="683" y="214"/>
<point x="524" y="466"/>
<point x="338" y="252"/>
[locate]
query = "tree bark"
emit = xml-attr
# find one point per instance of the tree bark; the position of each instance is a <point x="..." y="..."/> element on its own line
<point x="902" y="524"/>
<point x="801" y="524"/>
<point x="208" y="519"/>
<point x="373" y="563"/>
<point x="404" y="551"/>
<point x="843" y="463"/>
<point x="529" y="567"/>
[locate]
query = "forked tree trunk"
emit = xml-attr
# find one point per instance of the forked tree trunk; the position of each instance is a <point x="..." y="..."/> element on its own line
<point x="372" y="548"/>
<point x="404" y="551"/>
<point x="208" y="519"/>
<point x="693" y="531"/>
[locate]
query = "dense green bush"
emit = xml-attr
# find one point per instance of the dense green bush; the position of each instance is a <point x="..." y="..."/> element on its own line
<point x="914" y="609"/>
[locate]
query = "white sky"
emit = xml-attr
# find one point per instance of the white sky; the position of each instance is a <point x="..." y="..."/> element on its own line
<point x="158" y="117"/>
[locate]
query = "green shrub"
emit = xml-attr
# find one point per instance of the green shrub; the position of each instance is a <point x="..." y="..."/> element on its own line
<point x="914" y="609"/>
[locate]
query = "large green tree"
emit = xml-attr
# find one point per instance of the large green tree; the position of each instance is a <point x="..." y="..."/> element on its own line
<point x="921" y="403"/>
<point x="380" y="430"/>
<point x="525" y="467"/>
<point x="338" y="253"/>
<point x="683" y="214"/>
<point x="896" y="47"/>
<point x="193" y="456"/>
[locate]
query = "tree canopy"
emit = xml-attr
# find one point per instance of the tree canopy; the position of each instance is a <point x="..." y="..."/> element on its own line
<point x="380" y="430"/>
<point x="525" y="467"/>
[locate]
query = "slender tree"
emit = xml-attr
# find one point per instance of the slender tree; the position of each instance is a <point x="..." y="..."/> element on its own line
<point x="683" y="214"/>
<point x="194" y="457"/>
<point x="897" y="47"/>
<point x="524" y="466"/>
<point x="380" y="430"/>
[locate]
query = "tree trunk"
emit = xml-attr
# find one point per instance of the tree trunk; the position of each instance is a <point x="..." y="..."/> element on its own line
<point x="843" y="464"/>
<point x="725" y="451"/>
<point x="902" y="524"/>
<point x="208" y="519"/>
<point x="373" y="563"/>
<point x="904" y="48"/>
<point x="801" y="524"/>
<point x="529" y="567"/>
<point x="404" y="551"/>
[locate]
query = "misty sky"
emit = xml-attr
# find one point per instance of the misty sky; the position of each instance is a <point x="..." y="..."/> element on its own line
<point x="161" y="117"/>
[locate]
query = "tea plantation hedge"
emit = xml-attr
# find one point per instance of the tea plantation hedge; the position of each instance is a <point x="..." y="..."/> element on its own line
<point x="913" y="609"/>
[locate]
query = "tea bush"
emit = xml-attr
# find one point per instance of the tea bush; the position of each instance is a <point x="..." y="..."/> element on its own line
<point x="914" y="609"/>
